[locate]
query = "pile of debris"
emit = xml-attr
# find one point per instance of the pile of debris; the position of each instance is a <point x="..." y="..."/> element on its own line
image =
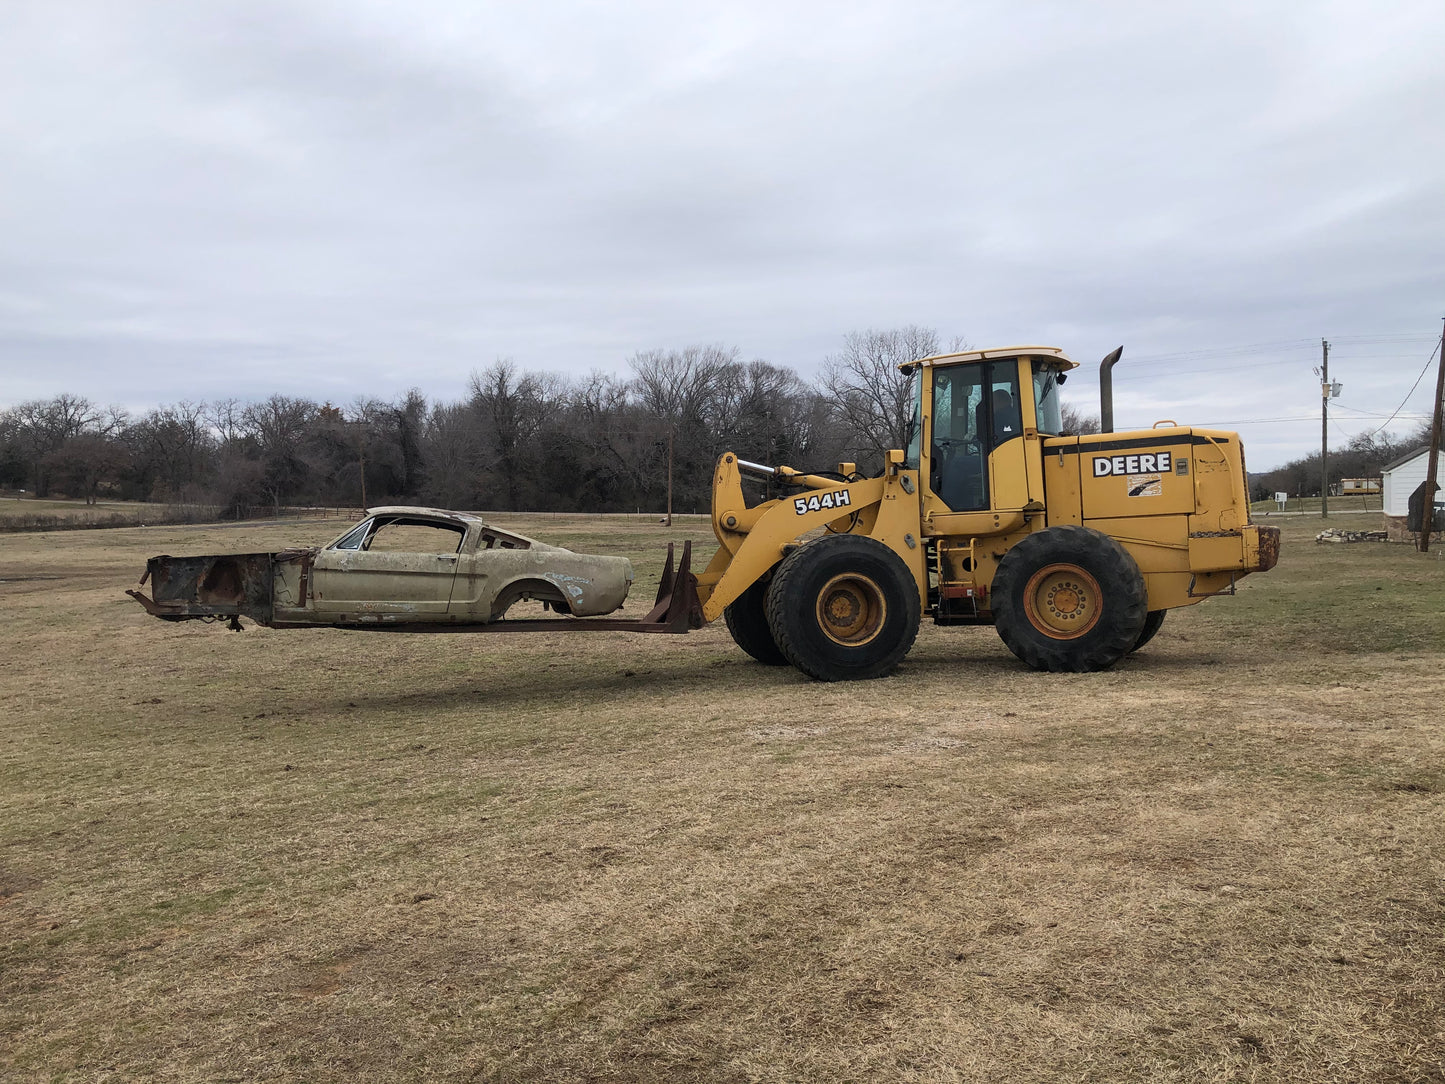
<point x="1334" y="534"/>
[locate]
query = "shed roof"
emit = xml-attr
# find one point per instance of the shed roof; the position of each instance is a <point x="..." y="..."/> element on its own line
<point x="1405" y="458"/>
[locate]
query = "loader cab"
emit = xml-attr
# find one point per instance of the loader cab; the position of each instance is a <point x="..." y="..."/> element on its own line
<point x="978" y="420"/>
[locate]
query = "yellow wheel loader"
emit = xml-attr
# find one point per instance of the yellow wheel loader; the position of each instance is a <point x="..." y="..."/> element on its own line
<point x="1073" y="547"/>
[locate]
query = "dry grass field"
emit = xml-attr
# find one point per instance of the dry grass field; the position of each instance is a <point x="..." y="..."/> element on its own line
<point x="28" y="514"/>
<point x="329" y="855"/>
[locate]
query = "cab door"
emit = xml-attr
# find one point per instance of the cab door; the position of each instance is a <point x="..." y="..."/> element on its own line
<point x="1008" y="451"/>
<point x="976" y="446"/>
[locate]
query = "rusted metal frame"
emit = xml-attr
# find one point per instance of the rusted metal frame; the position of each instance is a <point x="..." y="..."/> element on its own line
<point x="1193" y="579"/>
<point x="307" y="559"/>
<point x="220" y="586"/>
<point x="1268" y="548"/>
<point x="174" y="609"/>
<point x="675" y="611"/>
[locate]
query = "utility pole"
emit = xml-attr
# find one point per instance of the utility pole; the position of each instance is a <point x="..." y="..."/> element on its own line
<point x="359" y="427"/>
<point x="1325" y="430"/>
<point x="1432" y="456"/>
<point x="671" y="431"/>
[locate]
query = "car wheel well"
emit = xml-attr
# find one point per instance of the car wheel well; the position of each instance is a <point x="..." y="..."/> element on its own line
<point x="530" y="588"/>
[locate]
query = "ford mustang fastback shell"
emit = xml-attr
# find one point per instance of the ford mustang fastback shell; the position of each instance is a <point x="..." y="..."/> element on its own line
<point x="398" y="566"/>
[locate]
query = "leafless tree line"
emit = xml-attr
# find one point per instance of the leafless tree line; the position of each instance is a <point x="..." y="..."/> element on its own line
<point x="519" y="440"/>
<point x="1362" y="456"/>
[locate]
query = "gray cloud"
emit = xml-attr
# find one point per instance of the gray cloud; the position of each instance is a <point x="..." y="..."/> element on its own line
<point x="335" y="199"/>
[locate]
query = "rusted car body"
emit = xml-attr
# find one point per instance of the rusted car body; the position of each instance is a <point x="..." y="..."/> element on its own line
<point x="400" y="566"/>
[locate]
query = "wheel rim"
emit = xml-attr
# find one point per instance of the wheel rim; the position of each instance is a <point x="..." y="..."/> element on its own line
<point x="1063" y="601"/>
<point x="851" y="609"/>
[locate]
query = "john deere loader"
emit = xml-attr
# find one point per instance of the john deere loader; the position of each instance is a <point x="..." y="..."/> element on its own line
<point x="1073" y="547"/>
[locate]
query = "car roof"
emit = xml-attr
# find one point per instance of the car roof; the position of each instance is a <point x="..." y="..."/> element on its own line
<point x="461" y="519"/>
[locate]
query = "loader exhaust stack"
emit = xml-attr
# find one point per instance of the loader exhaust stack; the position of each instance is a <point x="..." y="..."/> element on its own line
<point x="1106" y="390"/>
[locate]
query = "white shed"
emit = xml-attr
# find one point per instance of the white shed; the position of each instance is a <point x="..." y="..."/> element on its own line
<point x="1403" y="477"/>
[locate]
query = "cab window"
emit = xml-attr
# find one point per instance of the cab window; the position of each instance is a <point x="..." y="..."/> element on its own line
<point x="1046" y="401"/>
<point x="958" y="455"/>
<point x="1006" y="419"/>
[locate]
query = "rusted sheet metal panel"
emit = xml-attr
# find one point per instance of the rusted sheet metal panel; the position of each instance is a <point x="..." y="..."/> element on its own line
<point x="230" y="585"/>
<point x="676" y="610"/>
<point x="1268" y="548"/>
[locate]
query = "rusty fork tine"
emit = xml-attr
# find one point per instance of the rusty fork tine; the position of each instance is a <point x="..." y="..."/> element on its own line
<point x="664" y="585"/>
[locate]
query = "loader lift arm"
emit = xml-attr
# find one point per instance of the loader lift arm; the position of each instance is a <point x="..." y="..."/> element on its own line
<point x="752" y="541"/>
<point x="844" y="606"/>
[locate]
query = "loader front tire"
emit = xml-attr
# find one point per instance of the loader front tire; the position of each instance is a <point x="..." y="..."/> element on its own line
<point x="1069" y="599"/>
<point x="747" y="620"/>
<point x="843" y="608"/>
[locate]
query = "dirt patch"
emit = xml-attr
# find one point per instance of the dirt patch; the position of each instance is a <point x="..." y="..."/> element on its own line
<point x="13" y="884"/>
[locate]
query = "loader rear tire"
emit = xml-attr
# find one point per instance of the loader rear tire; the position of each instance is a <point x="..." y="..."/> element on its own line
<point x="747" y="620"/>
<point x="1069" y="599"/>
<point x="843" y="608"/>
<point x="1151" y="626"/>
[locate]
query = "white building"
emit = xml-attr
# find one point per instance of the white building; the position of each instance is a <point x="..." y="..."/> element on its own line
<point x="1403" y="477"/>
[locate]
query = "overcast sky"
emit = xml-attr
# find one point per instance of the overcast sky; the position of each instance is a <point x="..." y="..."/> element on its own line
<point x="204" y="200"/>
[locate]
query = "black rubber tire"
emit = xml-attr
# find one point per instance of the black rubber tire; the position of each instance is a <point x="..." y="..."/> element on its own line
<point x="1151" y="626"/>
<point x="1073" y="574"/>
<point x="747" y="620"/>
<point x="854" y="579"/>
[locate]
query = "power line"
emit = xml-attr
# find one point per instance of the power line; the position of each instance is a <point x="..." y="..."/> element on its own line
<point x="1257" y="421"/>
<point x="1229" y="351"/>
<point x="1277" y="346"/>
<point x="1412" y="387"/>
<point x="1396" y="339"/>
<point x="1377" y="413"/>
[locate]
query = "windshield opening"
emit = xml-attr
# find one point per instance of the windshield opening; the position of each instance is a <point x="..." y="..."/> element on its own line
<point x="354" y="539"/>
<point x="915" y="424"/>
<point x="1046" y="401"/>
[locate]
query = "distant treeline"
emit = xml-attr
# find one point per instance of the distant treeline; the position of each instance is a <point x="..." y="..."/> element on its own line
<point x="519" y="441"/>
<point x="1363" y="456"/>
<point x="522" y="441"/>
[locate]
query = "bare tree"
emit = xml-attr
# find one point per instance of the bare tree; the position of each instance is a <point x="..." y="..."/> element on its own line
<point x="618" y="439"/>
<point x="278" y="427"/>
<point x="451" y="447"/>
<point x="681" y="396"/>
<point x="512" y="409"/>
<point x="42" y="426"/>
<point x="171" y="449"/>
<point x="1076" y="422"/>
<point x="757" y="412"/>
<point x="84" y="463"/>
<point x="226" y="419"/>
<point x="681" y="385"/>
<point x="867" y="392"/>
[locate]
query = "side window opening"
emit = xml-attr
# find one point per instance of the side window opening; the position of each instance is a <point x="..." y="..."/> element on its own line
<point x="411" y="536"/>
<point x="501" y="540"/>
<point x="1004" y="399"/>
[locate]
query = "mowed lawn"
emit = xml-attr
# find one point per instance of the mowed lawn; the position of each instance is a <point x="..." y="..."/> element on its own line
<point x="329" y="855"/>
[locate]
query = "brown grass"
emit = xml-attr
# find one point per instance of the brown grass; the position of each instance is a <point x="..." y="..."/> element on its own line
<point x="328" y="855"/>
